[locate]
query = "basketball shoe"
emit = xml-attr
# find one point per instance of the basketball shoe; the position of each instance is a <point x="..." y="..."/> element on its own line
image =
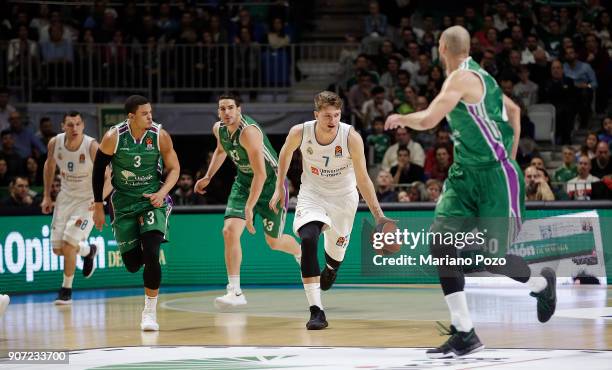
<point x="231" y="300"/>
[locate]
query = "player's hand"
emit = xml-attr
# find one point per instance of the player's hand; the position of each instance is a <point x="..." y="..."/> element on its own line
<point x="394" y="121"/>
<point x="248" y="215"/>
<point x="279" y="195"/>
<point x="47" y="205"/>
<point x="156" y="199"/>
<point x="98" y="216"/>
<point x="383" y="219"/>
<point x="201" y="184"/>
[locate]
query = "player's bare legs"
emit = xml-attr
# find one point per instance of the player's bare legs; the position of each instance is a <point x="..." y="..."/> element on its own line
<point x="232" y="230"/>
<point x="285" y="243"/>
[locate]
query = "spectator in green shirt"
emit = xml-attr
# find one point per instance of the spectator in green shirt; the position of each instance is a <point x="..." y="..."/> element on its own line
<point x="568" y="170"/>
<point x="377" y="141"/>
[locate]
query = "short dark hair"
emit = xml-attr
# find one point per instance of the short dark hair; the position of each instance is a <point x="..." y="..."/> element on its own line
<point x="44" y="119"/>
<point x="378" y="90"/>
<point x="230" y="96"/>
<point x="378" y="119"/>
<point x="403" y="148"/>
<point x="133" y="102"/>
<point x="403" y="72"/>
<point x="71" y="113"/>
<point x="15" y="178"/>
<point x="5" y="132"/>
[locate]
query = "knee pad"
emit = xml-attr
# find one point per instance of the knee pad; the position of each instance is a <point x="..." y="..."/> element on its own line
<point x="151" y="242"/>
<point x="309" y="234"/>
<point x="452" y="278"/>
<point x="132" y="259"/>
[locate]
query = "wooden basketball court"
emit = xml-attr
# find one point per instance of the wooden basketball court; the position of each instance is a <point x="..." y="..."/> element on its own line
<point x="359" y="316"/>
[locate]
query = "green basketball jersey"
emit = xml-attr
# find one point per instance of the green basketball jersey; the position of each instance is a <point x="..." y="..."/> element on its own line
<point x="137" y="165"/>
<point x="238" y="154"/>
<point x="481" y="132"/>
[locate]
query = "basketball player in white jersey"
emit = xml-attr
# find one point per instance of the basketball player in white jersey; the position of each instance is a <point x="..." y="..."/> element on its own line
<point x="73" y="153"/>
<point x="4" y="302"/>
<point x="334" y="167"/>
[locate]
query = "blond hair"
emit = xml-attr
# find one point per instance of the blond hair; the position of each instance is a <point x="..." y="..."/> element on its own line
<point x="327" y="98"/>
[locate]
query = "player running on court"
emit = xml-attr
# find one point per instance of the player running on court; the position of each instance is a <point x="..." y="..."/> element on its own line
<point x="73" y="153"/>
<point x="485" y="182"/>
<point x="333" y="168"/>
<point x="249" y="148"/>
<point x="138" y="150"/>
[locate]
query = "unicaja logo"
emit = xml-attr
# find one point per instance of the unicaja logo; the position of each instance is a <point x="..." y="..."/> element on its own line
<point x="127" y="174"/>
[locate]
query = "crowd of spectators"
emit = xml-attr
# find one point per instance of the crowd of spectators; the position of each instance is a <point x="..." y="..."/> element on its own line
<point x="538" y="53"/>
<point x="49" y="46"/>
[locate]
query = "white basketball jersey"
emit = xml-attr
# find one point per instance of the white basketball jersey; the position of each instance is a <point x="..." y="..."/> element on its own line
<point x="76" y="168"/>
<point x="327" y="169"/>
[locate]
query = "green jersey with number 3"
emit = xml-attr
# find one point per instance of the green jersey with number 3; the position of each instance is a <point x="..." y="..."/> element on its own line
<point x="238" y="154"/>
<point x="137" y="164"/>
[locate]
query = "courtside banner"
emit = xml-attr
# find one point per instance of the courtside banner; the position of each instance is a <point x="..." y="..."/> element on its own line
<point x="195" y="255"/>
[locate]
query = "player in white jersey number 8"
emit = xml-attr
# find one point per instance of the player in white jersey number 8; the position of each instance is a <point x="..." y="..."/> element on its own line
<point x="73" y="153"/>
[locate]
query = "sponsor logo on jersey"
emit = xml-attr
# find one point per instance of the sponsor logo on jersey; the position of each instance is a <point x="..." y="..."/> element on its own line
<point x="309" y="150"/>
<point x="82" y="158"/>
<point x="338" y="151"/>
<point x="78" y="223"/>
<point x="141" y="220"/>
<point x="314" y="170"/>
<point x="149" y="142"/>
<point x="127" y="174"/>
<point x="59" y="156"/>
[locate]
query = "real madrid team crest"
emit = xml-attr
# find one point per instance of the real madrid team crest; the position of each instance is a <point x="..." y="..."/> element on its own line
<point x="309" y="150"/>
<point x="338" y="151"/>
<point x="149" y="143"/>
<point x="82" y="158"/>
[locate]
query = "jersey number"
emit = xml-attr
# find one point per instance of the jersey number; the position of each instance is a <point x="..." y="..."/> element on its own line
<point x="70" y="166"/>
<point x="137" y="160"/>
<point x="268" y="225"/>
<point x="234" y="155"/>
<point x="326" y="160"/>
<point x="150" y="218"/>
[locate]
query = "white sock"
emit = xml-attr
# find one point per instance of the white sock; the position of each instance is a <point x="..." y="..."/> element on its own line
<point x="536" y="283"/>
<point x="84" y="249"/>
<point x="67" y="283"/>
<point x="460" y="315"/>
<point x="313" y="294"/>
<point x="234" y="281"/>
<point x="150" y="302"/>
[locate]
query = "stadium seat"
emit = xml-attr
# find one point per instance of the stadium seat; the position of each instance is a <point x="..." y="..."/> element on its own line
<point x="543" y="117"/>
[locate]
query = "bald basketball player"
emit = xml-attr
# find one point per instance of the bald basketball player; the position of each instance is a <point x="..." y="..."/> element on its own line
<point x="485" y="182"/>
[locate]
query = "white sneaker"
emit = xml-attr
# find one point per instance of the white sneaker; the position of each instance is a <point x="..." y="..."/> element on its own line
<point x="230" y="300"/>
<point x="4" y="302"/>
<point x="149" y="320"/>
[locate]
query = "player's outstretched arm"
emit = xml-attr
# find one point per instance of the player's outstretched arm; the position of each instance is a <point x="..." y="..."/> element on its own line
<point x="48" y="175"/>
<point x="103" y="157"/>
<point x="171" y="165"/>
<point x="252" y="141"/>
<point x="292" y="143"/>
<point x="364" y="184"/>
<point x="451" y="93"/>
<point x="216" y="161"/>
<point x="514" y="117"/>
